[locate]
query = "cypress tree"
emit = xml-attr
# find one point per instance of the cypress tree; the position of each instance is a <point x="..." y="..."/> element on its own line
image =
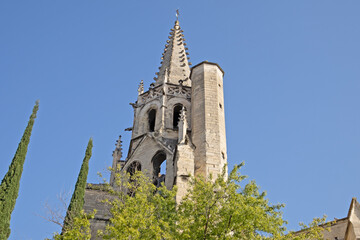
<point x="10" y="184"/>
<point x="77" y="199"/>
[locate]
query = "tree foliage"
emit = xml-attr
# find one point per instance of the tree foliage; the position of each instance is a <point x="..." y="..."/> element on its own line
<point x="80" y="228"/>
<point x="77" y="200"/>
<point x="140" y="210"/>
<point x="221" y="209"/>
<point x="212" y="209"/>
<point x="10" y="184"/>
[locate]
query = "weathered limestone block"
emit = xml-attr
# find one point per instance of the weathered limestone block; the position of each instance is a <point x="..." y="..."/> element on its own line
<point x="184" y="160"/>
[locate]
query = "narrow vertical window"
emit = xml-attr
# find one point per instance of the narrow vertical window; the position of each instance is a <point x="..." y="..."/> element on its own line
<point x="152" y="118"/>
<point x="176" y="115"/>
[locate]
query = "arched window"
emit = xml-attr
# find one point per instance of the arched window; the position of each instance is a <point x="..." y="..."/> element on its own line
<point x="176" y="115"/>
<point x="152" y="119"/>
<point x="159" y="166"/>
<point x="134" y="167"/>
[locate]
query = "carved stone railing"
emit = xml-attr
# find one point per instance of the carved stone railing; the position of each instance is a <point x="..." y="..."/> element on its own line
<point x="171" y="90"/>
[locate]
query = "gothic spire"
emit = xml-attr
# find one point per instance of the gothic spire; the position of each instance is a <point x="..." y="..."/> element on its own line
<point x="117" y="155"/>
<point x="118" y="149"/>
<point x="174" y="64"/>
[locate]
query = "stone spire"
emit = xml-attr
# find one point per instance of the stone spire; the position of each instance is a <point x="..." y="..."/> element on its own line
<point x="174" y="64"/>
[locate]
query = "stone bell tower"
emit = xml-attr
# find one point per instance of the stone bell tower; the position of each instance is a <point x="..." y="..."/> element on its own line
<point x="178" y="129"/>
<point x="179" y="125"/>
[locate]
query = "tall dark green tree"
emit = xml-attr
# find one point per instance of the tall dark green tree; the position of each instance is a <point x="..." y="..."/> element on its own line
<point x="10" y="184"/>
<point x="77" y="199"/>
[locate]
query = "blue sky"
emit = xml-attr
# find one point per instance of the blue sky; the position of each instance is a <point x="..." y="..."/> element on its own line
<point x="292" y="83"/>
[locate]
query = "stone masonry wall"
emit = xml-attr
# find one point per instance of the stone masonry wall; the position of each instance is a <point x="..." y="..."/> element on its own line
<point x="94" y="200"/>
<point x="208" y="120"/>
<point x="184" y="160"/>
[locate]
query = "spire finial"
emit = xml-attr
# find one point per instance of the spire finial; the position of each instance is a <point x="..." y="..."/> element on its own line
<point x="118" y="145"/>
<point x="177" y="14"/>
<point x="141" y="88"/>
<point x="117" y="154"/>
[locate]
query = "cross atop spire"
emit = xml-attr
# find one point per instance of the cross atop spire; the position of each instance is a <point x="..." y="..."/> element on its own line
<point x="174" y="64"/>
<point x="177" y="14"/>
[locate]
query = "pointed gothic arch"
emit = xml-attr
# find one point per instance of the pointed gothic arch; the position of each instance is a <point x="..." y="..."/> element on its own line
<point x="134" y="167"/>
<point x="152" y="120"/>
<point x="171" y="104"/>
<point x="157" y="161"/>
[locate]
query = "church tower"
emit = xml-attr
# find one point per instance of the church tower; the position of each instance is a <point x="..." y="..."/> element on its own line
<point x="178" y="129"/>
<point x="179" y="124"/>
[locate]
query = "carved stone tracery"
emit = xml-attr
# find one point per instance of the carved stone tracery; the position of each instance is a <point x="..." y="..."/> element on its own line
<point x="171" y="90"/>
<point x="179" y="91"/>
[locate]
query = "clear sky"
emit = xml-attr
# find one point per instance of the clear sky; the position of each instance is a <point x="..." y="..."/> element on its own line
<point x="292" y="83"/>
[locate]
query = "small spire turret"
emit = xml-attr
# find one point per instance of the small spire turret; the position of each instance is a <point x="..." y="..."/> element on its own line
<point x="117" y="154"/>
<point x="118" y="149"/>
<point x="141" y="88"/>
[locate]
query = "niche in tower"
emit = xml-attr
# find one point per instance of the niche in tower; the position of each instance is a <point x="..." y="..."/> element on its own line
<point x="159" y="166"/>
<point x="152" y="119"/>
<point x="176" y="115"/>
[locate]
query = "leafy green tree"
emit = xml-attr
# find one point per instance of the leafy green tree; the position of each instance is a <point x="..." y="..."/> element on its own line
<point x="10" y="184"/>
<point x="312" y="231"/>
<point x="212" y="209"/>
<point x="140" y="210"/>
<point x="80" y="228"/>
<point x="77" y="200"/>
<point x="221" y="209"/>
